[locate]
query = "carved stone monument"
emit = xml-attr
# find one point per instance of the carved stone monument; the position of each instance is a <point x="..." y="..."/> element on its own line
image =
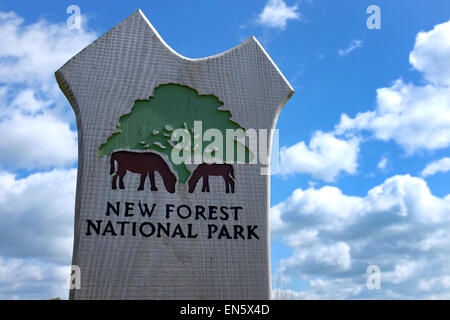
<point x="152" y="221"/>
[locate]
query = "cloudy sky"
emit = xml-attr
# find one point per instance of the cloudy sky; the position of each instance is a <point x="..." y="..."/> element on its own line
<point x="365" y="141"/>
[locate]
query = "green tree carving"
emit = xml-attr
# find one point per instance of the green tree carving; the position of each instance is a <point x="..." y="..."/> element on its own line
<point x="150" y="124"/>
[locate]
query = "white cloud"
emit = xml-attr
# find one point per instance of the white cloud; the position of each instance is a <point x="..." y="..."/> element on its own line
<point x="37" y="142"/>
<point x="36" y="234"/>
<point x="37" y="215"/>
<point x="321" y="289"/>
<point x="404" y="270"/>
<point x="306" y="208"/>
<point x="32" y="53"/>
<point x="324" y="157"/>
<point x="354" y="44"/>
<point x="24" y="102"/>
<point x="442" y="165"/>
<point x="319" y="260"/>
<point x="439" y="283"/>
<point x="416" y="117"/>
<point x="431" y="54"/>
<point x="303" y="237"/>
<point x="36" y="129"/>
<point x="34" y="121"/>
<point x="382" y="163"/>
<point x="22" y="279"/>
<point x="276" y="14"/>
<point x="399" y="226"/>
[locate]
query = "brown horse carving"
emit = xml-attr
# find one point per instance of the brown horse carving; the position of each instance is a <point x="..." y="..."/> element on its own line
<point x="144" y="164"/>
<point x="205" y="170"/>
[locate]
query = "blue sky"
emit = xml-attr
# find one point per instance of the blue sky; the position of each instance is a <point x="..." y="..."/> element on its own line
<point x="365" y="139"/>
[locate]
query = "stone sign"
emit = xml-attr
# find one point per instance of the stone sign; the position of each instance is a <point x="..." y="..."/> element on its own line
<point x="173" y="188"/>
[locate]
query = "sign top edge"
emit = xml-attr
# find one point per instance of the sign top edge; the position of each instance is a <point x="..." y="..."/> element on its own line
<point x="246" y="43"/>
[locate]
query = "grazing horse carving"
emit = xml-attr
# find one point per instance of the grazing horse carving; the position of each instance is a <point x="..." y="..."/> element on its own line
<point x="205" y="170"/>
<point x="144" y="164"/>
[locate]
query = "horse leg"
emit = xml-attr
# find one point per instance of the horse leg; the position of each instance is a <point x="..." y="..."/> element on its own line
<point x="114" y="178"/>
<point x="204" y="183"/>
<point x="114" y="182"/>
<point x="207" y="183"/>
<point x="151" y="174"/>
<point x="232" y="185"/>
<point x="121" y="174"/>
<point x="227" y="184"/>
<point x="205" y="187"/>
<point x="142" y="183"/>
